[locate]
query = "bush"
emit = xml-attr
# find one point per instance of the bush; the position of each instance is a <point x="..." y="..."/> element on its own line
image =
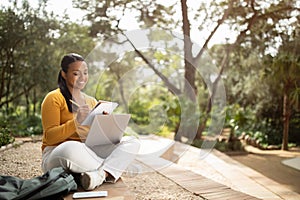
<point x="223" y="146"/>
<point x="6" y="137"/>
<point x="240" y="119"/>
<point x="33" y="126"/>
<point x="20" y="125"/>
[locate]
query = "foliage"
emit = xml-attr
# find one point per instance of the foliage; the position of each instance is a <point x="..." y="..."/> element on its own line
<point x="25" y="53"/>
<point x="150" y="117"/>
<point x="258" y="26"/>
<point x="22" y="125"/>
<point x="223" y="146"/>
<point x="294" y="135"/>
<point x="5" y="137"/>
<point x="255" y="88"/>
<point x="32" y="43"/>
<point x="106" y="16"/>
<point x="263" y="62"/>
<point x="244" y="120"/>
<point x="240" y="119"/>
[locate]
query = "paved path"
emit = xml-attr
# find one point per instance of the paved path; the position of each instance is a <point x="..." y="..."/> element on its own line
<point x="272" y="164"/>
<point x="218" y="167"/>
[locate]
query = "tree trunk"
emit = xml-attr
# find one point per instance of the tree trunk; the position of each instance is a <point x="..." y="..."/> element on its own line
<point x="121" y="89"/>
<point x="190" y="90"/>
<point x="224" y="64"/>
<point x="286" y="119"/>
<point x="26" y="93"/>
<point x="34" y="101"/>
<point x="189" y="75"/>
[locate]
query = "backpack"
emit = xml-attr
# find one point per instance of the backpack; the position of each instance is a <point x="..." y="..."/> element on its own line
<point x="54" y="184"/>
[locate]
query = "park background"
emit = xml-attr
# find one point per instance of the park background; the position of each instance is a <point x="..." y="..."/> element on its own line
<point x="254" y="44"/>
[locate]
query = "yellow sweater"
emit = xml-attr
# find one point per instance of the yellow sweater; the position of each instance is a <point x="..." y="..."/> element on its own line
<point x="59" y="125"/>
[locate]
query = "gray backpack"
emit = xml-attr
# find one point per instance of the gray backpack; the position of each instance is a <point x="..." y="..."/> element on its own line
<point x="54" y="184"/>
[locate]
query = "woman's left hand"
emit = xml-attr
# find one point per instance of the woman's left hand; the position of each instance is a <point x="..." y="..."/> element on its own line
<point x="105" y="113"/>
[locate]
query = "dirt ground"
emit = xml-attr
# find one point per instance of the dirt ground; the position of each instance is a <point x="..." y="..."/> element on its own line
<point x="269" y="163"/>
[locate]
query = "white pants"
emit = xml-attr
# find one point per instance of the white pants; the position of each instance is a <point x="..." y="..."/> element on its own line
<point x="77" y="157"/>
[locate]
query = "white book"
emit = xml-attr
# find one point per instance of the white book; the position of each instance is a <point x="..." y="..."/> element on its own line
<point x="80" y="195"/>
<point x="101" y="107"/>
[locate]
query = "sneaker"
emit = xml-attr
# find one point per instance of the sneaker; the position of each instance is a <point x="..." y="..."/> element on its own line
<point x="93" y="179"/>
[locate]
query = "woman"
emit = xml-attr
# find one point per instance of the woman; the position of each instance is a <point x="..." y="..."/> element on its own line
<point x="63" y="135"/>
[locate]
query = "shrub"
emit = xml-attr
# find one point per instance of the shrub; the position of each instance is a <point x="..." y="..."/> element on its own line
<point x="6" y="137"/>
<point x="20" y="125"/>
<point x="234" y="145"/>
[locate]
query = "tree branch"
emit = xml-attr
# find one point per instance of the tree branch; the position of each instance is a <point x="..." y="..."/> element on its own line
<point x="16" y="96"/>
<point x="220" y="22"/>
<point x="255" y="17"/>
<point x="169" y="85"/>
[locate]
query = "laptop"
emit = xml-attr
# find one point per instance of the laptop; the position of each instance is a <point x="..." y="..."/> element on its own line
<point x="107" y="129"/>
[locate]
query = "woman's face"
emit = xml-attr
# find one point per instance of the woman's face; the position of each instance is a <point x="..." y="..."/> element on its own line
<point x="76" y="76"/>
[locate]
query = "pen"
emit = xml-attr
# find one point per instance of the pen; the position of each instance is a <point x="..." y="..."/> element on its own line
<point x="73" y="102"/>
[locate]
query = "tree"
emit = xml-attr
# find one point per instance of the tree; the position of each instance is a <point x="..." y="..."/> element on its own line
<point x="259" y="69"/>
<point x="14" y="38"/>
<point x="32" y="43"/>
<point x="246" y="19"/>
<point x="287" y="69"/>
<point x="25" y="54"/>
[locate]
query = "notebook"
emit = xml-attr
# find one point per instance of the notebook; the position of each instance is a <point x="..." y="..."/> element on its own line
<point x="107" y="129"/>
<point x="98" y="110"/>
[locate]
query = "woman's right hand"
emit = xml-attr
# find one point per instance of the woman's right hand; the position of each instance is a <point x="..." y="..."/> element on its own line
<point x="82" y="113"/>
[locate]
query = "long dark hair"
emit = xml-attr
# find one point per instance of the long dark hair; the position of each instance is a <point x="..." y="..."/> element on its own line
<point x="65" y="62"/>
